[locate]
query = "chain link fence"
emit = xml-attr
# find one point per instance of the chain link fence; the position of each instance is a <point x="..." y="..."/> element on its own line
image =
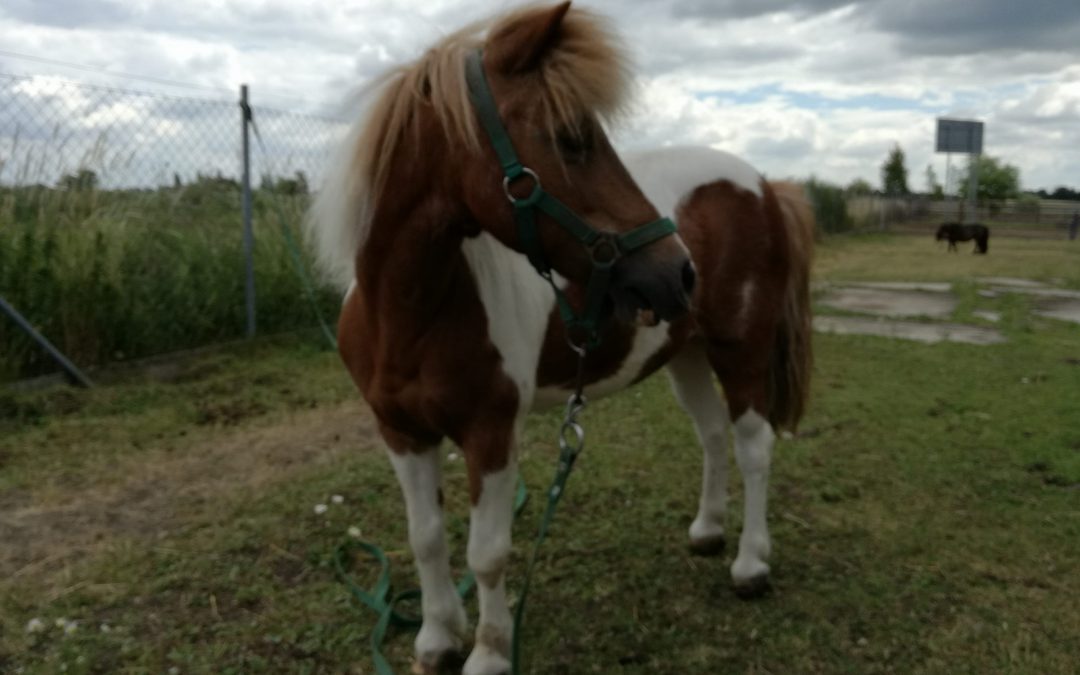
<point x="121" y="223"/>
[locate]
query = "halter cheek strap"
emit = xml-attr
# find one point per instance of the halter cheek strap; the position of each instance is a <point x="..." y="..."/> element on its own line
<point x="605" y="248"/>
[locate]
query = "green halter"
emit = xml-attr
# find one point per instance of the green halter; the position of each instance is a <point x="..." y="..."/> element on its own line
<point x="605" y="248"/>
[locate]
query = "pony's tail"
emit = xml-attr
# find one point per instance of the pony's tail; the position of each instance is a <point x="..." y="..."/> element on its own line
<point x="792" y="356"/>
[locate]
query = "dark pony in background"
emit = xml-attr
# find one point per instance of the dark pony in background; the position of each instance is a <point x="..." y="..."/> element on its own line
<point x="955" y="232"/>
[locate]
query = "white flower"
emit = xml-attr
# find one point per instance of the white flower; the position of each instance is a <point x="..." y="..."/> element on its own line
<point x="70" y="627"/>
<point x="452" y="456"/>
<point x="354" y="532"/>
<point x="320" y="509"/>
<point x="60" y="623"/>
<point x="174" y="671"/>
<point x="35" y="625"/>
<point x="337" y="499"/>
<point x="105" y="628"/>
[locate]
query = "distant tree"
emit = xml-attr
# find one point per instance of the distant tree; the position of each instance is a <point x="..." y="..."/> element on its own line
<point x="933" y="187"/>
<point x="1062" y="192"/>
<point x="894" y="173"/>
<point x="998" y="181"/>
<point x="860" y="187"/>
<point x="830" y="206"/>
<point x="83" y="180"/>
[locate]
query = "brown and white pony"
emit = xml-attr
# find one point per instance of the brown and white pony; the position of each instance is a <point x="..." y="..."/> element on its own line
<point x="449" y="332"/>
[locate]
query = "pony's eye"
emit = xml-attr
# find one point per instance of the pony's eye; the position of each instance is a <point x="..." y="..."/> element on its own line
<point x="573" y="145"/>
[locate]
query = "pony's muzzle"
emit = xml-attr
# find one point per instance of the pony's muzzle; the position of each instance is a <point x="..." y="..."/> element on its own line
<point x="662" y="289"/>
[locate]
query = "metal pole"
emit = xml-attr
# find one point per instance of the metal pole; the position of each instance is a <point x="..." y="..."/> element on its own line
<point x="249" y="235"/>
<point x="973" y="186"/>
<point x="74" y="374"/>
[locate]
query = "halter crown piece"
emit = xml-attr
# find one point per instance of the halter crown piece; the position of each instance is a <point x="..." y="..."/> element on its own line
<point x="605" y="248"/>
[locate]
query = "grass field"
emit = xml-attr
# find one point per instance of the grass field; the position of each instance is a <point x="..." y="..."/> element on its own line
<point x="925" y="520"/>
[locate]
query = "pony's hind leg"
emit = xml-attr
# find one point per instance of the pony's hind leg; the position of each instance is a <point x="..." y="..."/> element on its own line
<point x="491" y="517"/>
<point x="444" y="624"/>
<point x="754" y="439"/>
<point x="746" y="390"/>
<point x="692" y="381"/>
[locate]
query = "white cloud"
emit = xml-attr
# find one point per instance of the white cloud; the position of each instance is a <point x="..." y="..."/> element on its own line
<point x="811" y="86"/>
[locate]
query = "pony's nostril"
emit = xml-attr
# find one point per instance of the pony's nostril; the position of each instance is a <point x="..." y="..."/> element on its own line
<point x="689" y="276"/>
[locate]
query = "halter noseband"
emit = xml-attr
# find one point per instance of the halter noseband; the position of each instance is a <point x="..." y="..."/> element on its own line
<point x="605" y="248"/>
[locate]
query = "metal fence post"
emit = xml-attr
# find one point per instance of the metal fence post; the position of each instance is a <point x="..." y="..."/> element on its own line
<point x="74" y="374"/>
<point x="973" y="186"/>
<point x="249" y="234"/>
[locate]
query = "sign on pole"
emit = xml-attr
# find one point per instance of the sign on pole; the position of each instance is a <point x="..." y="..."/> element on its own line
<point x="959" y="136"/>
<point x="964" y="136"/>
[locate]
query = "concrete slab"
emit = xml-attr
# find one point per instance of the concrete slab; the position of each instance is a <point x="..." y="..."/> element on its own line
<point x="928" y="333"/>
<point x="925" y="286"/>
<point x="882" y="302"/>
<point x="987" y="315"/>
<point x="1015" y="282"/>
<point x="1040" y="292"/>
<point x="1063" y="309"/>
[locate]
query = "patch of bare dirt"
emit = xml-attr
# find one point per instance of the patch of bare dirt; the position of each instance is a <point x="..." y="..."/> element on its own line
<point x="162" y="490"/>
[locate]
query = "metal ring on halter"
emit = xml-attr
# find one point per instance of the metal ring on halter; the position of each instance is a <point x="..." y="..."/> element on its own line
<point x="532" y="197"/>
<point x="605" y="251"/>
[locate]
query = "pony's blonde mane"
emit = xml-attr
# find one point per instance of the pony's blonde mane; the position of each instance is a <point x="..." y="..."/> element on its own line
<point x="585" y="73"/>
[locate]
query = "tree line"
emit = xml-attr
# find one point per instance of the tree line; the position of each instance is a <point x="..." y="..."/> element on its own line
<point x="997" y="181"/>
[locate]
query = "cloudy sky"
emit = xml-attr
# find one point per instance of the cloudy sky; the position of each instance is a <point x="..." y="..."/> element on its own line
<point x="821" y="87"/>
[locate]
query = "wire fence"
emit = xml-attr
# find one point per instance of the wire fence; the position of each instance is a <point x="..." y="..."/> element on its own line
<point x="121" y="221"/>
<point x="52" y="128"/>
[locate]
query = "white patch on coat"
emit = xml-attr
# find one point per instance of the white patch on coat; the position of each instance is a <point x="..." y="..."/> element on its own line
<point x="518" y="303"/>
<point x="668" y="175"/>
<point x="746" y="298"/>
<point x="646" y="342"/>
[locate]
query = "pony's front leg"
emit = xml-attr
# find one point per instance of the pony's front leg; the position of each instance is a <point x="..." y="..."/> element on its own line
<point x="492" y="471"/>
<point x="444" y="623"/>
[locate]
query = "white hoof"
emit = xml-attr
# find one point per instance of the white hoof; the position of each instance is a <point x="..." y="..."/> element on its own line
<point x="486" y="661"/>
<point x="437" y="642"/>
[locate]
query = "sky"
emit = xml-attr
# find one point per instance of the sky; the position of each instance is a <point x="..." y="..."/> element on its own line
<point x="811" y="87"/>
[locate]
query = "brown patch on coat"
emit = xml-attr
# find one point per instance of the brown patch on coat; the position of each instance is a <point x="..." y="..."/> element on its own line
<point x="494" y="638"/>
<point x="734" y="237"/>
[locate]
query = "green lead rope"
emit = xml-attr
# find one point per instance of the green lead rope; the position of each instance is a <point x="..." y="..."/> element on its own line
<point x="381" y="600"/>
<point x="570" y="449"/>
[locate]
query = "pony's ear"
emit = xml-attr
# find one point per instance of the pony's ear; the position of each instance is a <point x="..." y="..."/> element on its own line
<point x="520" y="45"/>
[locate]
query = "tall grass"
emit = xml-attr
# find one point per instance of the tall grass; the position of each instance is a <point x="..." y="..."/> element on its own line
<point x="116" y="274"/>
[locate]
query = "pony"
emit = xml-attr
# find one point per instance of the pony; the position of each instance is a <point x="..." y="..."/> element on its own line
<point x="955" y="232"/>
<point x="449" y="332"/>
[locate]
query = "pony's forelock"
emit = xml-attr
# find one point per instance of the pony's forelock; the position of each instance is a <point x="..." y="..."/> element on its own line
<point x="585" y="73"/>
